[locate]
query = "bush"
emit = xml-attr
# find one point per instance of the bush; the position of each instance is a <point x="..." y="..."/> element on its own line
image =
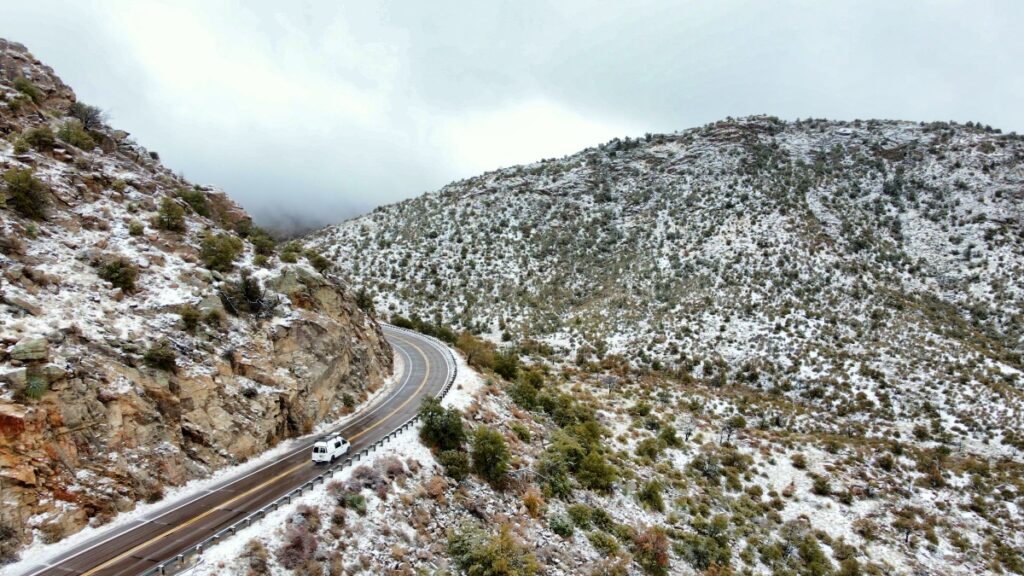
<point x="596" y="473"/>
<point x="649" y="448"/>
<point x="256" y="558"/>
<point x="562" y="525"/>
<point x="456" y="464"/>
<point x="650" y="550"/>
<point x="190" y="316"/>
<point x="121" y="273"/>
<point x="506" y="364"/>
<point x="479" y="554"/>
<point x="799" y="461"/>
<point x="442" y="428"/>
<point x="91" y="117"/>
<point x="170" y="216"/>
<point x="136" y="228"/>
<point x="603" y="542"/>
<point x="490" y="455"/>
<point x="28" y="195"/>
<point x="75" y="134"/>
<point x="41" y="138"/>
<point x="26" y="87"/>
<point x="297" y="548"/>
<point x="318" y="261"/>
<point x="521" y="431"/>
<point x="246" y="296"/>
<point x="534" y="502"/>
<point x="820" y="486"/>
<point x="649" y="496"/>
<point x="36" y="385"/>
<point x="219" y="251"/>
<point x="581" y="515"/>
<point x="161" y="356"/>
<point x="196" y="199"/>
<point x="262" y="243"/>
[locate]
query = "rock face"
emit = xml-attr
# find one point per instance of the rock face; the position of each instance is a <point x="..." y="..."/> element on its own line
<point x="92" y="418"/>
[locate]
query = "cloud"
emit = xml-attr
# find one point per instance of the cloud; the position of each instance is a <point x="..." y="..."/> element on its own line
<point x="321" y="110"/>
<point x="522" y="132"/>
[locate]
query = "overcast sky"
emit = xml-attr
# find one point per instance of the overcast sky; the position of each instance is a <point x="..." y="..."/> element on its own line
<point x="325" y="109"/>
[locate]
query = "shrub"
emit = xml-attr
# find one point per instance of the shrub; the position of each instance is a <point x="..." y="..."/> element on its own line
<point x="477" y="553"/>
<point x="256" y="558"/>
<point x="456" y="464"/>
<point x="596" y="473"/>
<point x="650" y="550"/>
<point x="136" y="228"/>
<point x="262" y="243"/>
<point x="121" y="273"/>
<point x="521" y="431"/>
<point x="506" y="364"/>
<point x="246" y="296"/>
<point x="196" y="199"/>
<point x="26" y="87"/>
<point x="219" y="251"/>
<point x="170" y="216"/>
<point x="649" y="448"/>
<point x="562" y="525"/>
<point x="490" y="455"/>
<point x="28" y="195"/>
<point x="318" y="261"/>
<point x="581" y="515"/>
<point x="534" y="502"/>
<point x="190" y="316"/>
<point x="354" y="501"/>
<point x="820" y="485"/>
<point x="161" y="356"/>
<point x="442" y="428"/>
<point x="36" y="385"/>
<point x="799" y="461"/>
<point x="41" y="138"/>
<point x="364" y="300"/>
<point x="75" y="134"/>
<point x="702" y="552"/>
<point x="297" y="548"/>
<point x="604" y="542"/>
<point x="91" y="117"/>
<point x="649" y="496"/>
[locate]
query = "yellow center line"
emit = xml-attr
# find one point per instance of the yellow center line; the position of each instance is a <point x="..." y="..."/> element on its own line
<point x="182" y="526"/>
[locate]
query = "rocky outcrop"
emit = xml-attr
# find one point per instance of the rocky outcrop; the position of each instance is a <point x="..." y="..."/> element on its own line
<point x="122" y="372"/>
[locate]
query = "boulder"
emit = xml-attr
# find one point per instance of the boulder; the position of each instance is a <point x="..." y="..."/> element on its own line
<point x="31" y="349"/>
<point x="23" y="304"/>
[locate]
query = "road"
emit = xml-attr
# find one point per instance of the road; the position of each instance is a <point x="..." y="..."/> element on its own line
<point x="139" y="545"/>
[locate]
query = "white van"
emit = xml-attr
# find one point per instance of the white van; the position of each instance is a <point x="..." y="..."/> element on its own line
<point x="329" y="448"/>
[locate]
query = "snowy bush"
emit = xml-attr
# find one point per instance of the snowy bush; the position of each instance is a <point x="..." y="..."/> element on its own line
<point x="297" y="547"/>
<point x="27" y="195"/>
<point x="75" y="134"/>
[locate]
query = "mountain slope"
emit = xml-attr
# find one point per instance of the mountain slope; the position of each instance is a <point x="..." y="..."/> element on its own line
<point x="871" y="266"/>
<point x="145" y="342"/>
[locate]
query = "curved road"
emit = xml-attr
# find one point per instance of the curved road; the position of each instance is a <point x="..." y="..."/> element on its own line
<point x="162" y="534"/>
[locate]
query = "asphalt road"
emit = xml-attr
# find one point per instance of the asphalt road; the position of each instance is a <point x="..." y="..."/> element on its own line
<point x="139" y="545"/>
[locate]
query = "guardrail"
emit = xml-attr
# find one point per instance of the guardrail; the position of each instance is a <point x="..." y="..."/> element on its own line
<point x="187" y="557"/>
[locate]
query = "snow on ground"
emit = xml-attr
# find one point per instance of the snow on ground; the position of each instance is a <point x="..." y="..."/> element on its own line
<point x="467" y="382"/>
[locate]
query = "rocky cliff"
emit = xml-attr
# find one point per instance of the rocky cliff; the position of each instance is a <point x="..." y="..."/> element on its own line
<point x="149" y="333"/>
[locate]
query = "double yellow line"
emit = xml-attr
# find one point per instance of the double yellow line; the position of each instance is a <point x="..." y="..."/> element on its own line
<point x="249" y="492"/>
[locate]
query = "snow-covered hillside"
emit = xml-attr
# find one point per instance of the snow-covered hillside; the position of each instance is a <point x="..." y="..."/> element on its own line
<point x="872" y="266"/>
<point x="149" y="333"/>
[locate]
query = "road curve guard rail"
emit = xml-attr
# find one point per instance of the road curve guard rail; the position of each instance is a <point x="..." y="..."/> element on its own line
<point x="189" y="556"/>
